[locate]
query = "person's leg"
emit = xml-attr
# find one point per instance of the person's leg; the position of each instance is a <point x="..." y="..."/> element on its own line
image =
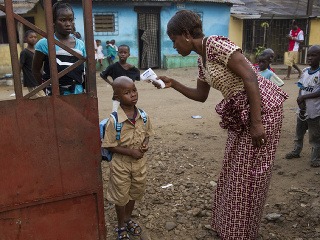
<point x="121" y="230"/>
<point x="289" y="62"/>
<point x="298" y="69"/>
<point x="120" y="210"/>
<point x="314" y="139"/>
<point x="128" y="210"/>
<point x="288" y="72"/>
<point x="301" y="129"/>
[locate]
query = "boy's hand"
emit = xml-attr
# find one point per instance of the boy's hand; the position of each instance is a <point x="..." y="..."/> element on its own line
<point x="137" y="153"/>
<point x="144" y="148"/>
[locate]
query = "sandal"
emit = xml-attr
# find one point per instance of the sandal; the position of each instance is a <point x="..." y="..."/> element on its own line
<point x="133" y="228"/>
<point x="315" y="164"/>
<point x="122" y="233"/>
<point x="291" y="155"/>
<point x="286" y="78"/>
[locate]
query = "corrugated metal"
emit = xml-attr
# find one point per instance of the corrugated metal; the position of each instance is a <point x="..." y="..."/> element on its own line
<point x="276" y="8"/>
<point x="21" y="6"/>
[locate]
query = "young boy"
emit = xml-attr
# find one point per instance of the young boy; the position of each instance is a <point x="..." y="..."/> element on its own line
<point x="270" y="55"/>
<point x="26" y="57"/>
<point x="121" y="68"/>
<point x="128" y="166"/>
<point x="264" y="62"/>
<point x="309" y="108"/>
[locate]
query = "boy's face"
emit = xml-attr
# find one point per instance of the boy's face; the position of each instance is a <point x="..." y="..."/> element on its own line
<point x="123" y="53"/>
<point x="127" y="94"/>
<point x="263" y="64"/>
<point x="32" y="39"/>
<point x="313" y="57"/>
<point x="271" y="57"/>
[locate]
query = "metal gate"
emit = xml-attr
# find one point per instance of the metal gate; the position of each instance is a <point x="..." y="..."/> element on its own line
<point x="50" y="173"/>
<point x="274" y="36"/>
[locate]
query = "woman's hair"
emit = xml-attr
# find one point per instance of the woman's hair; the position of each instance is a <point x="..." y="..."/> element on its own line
<point x="58" y="6"/>
<point x="28" y="32"/>
<point x="185" y="21"/>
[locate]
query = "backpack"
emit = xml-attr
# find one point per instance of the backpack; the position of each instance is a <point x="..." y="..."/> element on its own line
<point x="105" y="153"/>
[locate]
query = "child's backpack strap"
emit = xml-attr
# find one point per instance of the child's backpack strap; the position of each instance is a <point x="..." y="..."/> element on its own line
<point x="102" y="127"/>
<point x="117" y="125"/>
<point x="143" y="115"/>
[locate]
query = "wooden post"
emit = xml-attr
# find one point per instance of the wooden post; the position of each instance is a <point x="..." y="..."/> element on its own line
<point x="309" y="8"/>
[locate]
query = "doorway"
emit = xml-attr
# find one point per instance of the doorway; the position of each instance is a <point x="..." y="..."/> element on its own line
<point x="149" y="35"/>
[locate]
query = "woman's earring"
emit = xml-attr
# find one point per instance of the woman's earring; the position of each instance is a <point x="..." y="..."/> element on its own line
<point x="187" y="39"/>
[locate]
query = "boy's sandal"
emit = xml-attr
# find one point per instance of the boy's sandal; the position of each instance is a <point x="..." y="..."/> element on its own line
<point x="122" y="233"/>
<point x="133" y="228"/>
<point x="286" y="78"/>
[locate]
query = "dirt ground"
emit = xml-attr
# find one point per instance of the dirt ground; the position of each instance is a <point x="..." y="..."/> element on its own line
<point x="188" y="154"/>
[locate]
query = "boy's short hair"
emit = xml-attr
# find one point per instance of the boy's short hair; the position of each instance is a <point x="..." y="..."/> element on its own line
<point x="124" y="45"/>
<point x="264" y="56"/>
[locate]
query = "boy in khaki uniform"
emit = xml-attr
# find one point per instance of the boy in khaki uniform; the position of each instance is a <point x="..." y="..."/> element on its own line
<point x="128" y="168"/>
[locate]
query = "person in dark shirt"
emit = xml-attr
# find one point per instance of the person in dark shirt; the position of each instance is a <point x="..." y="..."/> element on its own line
<point x="120" y="68"/>
<point x="26" y="57"/>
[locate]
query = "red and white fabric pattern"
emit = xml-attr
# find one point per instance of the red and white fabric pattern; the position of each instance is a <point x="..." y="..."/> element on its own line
<point x="246" y="172"/>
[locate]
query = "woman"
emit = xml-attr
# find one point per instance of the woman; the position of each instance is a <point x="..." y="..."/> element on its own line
<point x="251" y="111"/>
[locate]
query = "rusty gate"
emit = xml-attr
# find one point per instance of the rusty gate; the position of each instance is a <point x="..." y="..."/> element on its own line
<point x="50" y="173"/>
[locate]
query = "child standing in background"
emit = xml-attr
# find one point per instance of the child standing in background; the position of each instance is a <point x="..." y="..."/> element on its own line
<point x="121" y="68"/>
<point x="99" y="56"/>
<point x="264" y="62"/>
<point x="309" y="108"/>
<point x="70" y="83"/>
<point x="112" y="50"/>
<point x="26" y="58"/>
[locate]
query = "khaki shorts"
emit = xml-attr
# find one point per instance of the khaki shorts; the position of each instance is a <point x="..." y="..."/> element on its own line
<point x="127" y="180"/>
<point x="292" y="58"/>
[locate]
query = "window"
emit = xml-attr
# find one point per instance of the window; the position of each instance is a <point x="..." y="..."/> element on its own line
<point x="105" y="23"/>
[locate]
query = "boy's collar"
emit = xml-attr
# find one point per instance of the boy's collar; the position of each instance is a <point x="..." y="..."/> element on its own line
<point x="122" y="117"/>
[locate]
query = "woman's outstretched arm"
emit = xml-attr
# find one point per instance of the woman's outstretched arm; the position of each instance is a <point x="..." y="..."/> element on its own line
<point x="200" y="93"/>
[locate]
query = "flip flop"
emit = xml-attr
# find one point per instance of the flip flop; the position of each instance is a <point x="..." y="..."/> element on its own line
<point x="286" y="78"/>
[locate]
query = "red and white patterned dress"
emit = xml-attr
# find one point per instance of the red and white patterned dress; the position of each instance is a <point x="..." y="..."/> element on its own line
<point x="245" y="176"/>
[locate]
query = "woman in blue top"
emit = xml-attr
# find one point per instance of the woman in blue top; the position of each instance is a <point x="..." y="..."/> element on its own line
<point x="71" y="83"/>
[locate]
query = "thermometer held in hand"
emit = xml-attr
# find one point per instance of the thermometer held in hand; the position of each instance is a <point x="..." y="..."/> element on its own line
<point x="149" y="74"/>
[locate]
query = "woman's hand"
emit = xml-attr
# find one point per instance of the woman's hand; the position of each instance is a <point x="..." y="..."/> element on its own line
<point x="258" y="135"/>
<point x="167" y="81"/>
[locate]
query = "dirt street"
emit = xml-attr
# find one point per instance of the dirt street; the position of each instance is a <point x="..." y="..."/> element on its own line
<point x="188" y="154"/>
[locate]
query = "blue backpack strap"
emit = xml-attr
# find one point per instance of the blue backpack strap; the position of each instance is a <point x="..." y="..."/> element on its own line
<point x="143" y="115"/>
<point x="102" y="127"/>
<point x="117" y="125"/>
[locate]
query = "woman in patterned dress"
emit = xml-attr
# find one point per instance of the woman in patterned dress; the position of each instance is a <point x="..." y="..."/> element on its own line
<point x="251" y="111"/>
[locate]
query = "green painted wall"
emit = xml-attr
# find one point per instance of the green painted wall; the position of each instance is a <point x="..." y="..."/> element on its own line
<point x="177" y="61"/>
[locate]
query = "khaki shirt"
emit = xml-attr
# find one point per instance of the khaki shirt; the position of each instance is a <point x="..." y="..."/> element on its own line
<point x="131" y="136"/>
